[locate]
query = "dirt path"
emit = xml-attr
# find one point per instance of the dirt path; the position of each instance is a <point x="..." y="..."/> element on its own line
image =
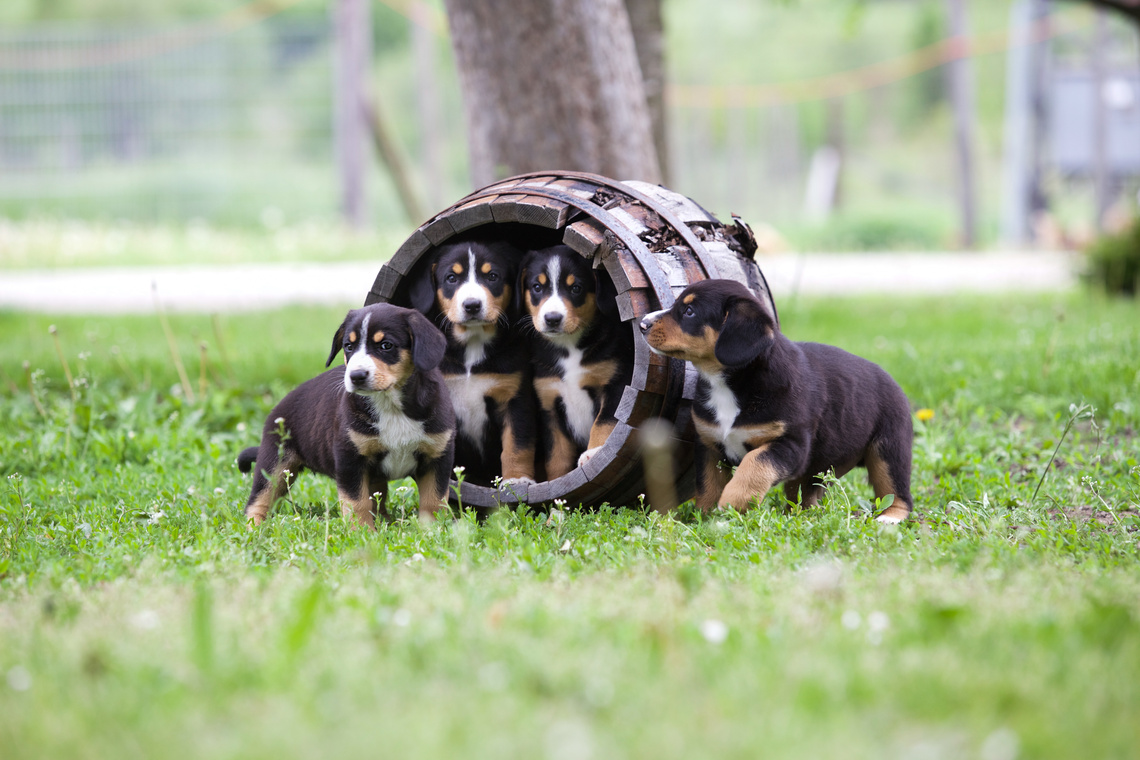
<point x="263" y="286"/>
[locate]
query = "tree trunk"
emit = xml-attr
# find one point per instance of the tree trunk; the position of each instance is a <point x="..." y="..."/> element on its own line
<point x="551" y="84"/>
<point x="649" y="37"/>
<point x="352" y="21"/>
<point x="965" y="117"/>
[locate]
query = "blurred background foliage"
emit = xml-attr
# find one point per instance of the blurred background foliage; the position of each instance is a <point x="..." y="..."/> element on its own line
<point x="267" y="161"/>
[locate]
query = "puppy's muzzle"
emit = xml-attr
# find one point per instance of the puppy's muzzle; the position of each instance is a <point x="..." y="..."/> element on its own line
<point x="358" y="378"/>
<point x="648" y="320"/>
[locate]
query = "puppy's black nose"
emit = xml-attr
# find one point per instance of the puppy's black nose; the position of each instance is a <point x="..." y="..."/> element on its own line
<point x="644" y="325"/>
<point x="553" y="319"/>
<point x="472" y="306"/>
<point x="358" y="377"/>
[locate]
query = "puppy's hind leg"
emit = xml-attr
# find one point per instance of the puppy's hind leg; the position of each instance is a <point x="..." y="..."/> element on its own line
<point x="272" y="477"/>
<point x="888" y="469"/>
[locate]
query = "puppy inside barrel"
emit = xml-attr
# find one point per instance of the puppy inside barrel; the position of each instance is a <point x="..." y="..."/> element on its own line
<point x="583" y="354"/>
<point x="467" y="287"/>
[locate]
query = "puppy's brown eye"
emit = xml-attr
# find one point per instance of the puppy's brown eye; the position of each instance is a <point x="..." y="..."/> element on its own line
<point x="387" y="345"/>
<point x="493" y="276"/>
<point x="575" y="289"/>
<point x="689" y="311"/>
<point x="537" y="287"/>
<point x="452" y="278"/>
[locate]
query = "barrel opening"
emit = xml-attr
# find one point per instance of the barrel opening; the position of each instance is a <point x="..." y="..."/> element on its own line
<point x="651" y="243"/>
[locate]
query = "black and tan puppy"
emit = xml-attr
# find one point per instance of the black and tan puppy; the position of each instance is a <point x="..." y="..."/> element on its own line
<point x="583" y="354"/>
<point x="782" y="412"/>
<point x="469" y="288"/>
<point x="384" y="415"/>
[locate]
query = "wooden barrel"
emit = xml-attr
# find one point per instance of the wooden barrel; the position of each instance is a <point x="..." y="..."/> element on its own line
<point x="653" y="243"/>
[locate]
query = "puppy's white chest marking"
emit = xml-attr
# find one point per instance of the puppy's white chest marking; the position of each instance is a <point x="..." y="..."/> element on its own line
<point x="579" y="405"/>
<point x="725" y="409"/>
<point x="468" y="396"/>
<point x="475" y="339"/>
<point x="400" y="435"/>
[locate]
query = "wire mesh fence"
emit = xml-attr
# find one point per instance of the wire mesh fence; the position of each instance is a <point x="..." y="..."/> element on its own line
<point x="166" y="121"/>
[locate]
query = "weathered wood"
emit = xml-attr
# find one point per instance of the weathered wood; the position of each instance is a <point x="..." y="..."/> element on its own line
<point x="473" y="213"/>
<point x="585" y="237"/>
<point x="438" y="230"/>
<point x="409" y="253"/>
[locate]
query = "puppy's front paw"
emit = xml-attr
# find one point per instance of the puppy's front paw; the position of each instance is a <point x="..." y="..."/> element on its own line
<point x="587" y="455"/>
<point x="887" y="519"/>
<point x="520" y="481"/>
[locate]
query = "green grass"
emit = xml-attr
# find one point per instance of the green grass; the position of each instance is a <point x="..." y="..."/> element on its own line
<point x="140" y="618"/>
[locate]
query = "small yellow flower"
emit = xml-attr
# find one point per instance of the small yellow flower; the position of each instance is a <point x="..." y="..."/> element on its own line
<point x="925" y="415"/>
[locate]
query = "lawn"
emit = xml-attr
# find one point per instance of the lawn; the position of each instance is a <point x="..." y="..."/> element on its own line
<point x="140" y="618"/>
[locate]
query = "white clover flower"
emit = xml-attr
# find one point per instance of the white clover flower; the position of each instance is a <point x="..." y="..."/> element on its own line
<point x="714" y="631"/>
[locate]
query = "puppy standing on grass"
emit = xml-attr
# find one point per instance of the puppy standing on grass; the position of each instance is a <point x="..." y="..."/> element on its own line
<point x="384" y="415"/>
<point x="486" y="367"/>
<point x="782" y="412"/>
<point x="583" y="355"/>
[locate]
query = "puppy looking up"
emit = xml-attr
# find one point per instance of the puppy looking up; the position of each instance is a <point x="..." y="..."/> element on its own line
<point x="469" y="287"/>
<point x="782" y="412"/>
<point x="384" y="415"/>
<point x="583" y="358"/>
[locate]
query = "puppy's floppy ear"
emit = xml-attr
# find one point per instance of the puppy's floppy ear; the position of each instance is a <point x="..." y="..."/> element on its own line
<point x="606" y="294"/>
<point x="338" y="339"/>
<point x="519" y="301"/>
<point x="746" y="334"/>
<point x="428" y="343"/>
<point x="421" y="288"/>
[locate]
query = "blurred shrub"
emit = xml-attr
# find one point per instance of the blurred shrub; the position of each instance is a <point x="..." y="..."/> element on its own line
<point x="847" y="231"/>
<point x="1114" y="261"/>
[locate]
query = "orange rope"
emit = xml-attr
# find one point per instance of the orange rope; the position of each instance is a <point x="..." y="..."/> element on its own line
<point x="125" y="51"/>
<point x="856" y="80"/>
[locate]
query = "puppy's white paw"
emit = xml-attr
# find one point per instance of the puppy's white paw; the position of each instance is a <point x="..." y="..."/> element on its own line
<point x="888" y="520"/>
<point x="523" y="481"/>
<point x="587" y="455"/>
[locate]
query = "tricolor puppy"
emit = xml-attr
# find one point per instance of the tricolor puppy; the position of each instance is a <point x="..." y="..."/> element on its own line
<point x="384" y="415"/>
<point x="469" y="289"/>
<point x="583" y="355"/>
<point x="781" y="412"/>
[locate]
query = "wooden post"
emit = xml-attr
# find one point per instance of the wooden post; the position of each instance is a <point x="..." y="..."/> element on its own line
<point x="353" y="52"/>
<point x="427" y="105"/>
<point x="1101" y="172"/>
<point x="962" y="100"/>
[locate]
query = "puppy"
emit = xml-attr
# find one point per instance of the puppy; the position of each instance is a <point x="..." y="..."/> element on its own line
<point x="782" y="412"/>
<point x="385" y="415"/>
<point x="583" y="354"/>
<point x="469" y="287"/>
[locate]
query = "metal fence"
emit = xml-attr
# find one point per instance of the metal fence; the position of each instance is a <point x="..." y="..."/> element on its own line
<point x="162" y="121"/>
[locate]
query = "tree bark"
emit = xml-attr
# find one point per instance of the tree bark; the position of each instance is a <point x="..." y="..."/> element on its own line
<point x="551" y="84"/>
<point x="649" y="38"/>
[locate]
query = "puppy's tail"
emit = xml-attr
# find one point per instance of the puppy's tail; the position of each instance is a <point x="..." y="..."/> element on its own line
<point x="247" y="458"/>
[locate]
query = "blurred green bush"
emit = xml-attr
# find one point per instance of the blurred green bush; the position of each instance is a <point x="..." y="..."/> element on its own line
<point x="1114" y="261"/>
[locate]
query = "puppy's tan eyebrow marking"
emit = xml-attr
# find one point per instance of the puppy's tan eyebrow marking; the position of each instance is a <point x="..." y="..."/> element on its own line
<point x="486" y="267"/>
<point x="457" y="268"/>
<point x="689" y="298"/>
<point x="570" y="280"/>
<point x="352" y="336"/>
<point x="542" y="279"/>
<point x="377" y="336"/>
